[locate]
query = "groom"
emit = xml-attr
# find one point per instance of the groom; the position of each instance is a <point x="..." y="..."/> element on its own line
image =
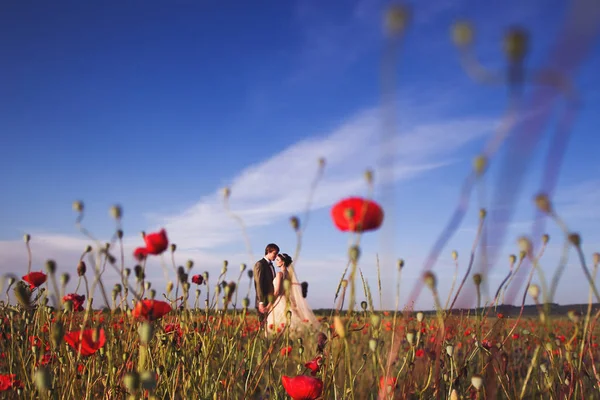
<point x="264" y="273"/>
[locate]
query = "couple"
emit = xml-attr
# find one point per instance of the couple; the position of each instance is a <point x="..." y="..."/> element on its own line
<point x="271" y="300"/>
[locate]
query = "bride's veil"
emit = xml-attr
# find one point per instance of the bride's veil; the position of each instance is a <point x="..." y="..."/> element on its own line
<point x="302" y="307"/>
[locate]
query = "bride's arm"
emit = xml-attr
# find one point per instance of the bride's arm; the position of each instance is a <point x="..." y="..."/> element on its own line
<point x="277" y="285"/>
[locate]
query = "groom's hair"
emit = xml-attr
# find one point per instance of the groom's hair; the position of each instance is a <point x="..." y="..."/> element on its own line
<point x="270" y="247"/>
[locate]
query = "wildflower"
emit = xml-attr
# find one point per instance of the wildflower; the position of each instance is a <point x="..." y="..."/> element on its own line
<point x="35" y="279"/>
<point x="314" y="365"/>
<point x="151" y="309"/>
<point x="285" y="351"/>
<point x="76" y="299"/>
<point x="85" y="339"/>
<point x="302" y="387"/>
<point x="387" y="384"/>
<point x="140" y="253"/>
<point x="9" y="382"/>
<point x="357" y="215"/>
<point x="156" y="243"/>
<point x="197" y="279"/>
<point x="419" y="353"/>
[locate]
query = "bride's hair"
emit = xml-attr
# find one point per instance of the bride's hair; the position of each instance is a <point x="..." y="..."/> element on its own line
<point x="287" y="260"/>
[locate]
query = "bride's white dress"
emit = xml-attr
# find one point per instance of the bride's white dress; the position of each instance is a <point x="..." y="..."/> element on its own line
<point x="301" y="319"/>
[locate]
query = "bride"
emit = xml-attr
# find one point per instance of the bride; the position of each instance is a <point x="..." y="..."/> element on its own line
<point x="285" y="282"/>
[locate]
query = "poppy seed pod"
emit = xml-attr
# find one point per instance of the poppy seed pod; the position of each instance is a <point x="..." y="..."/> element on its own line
<point x="81" y="268"/>
<point x="462" y="33"/>
<point x="477" y="278"/>
<point x="116" y="212"/>
<point x="429" y="279"/>
<point x="78" y="206"/>
<point x="51" y="266"/>
<point x="27" y="238"/>
<point x="295" y="222"/>
<point x="575" y="239"/>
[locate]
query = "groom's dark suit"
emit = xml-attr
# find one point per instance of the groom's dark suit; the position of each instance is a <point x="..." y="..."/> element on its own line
<point x="264" y="273"/>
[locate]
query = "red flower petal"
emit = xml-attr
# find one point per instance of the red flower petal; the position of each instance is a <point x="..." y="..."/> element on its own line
<point x="156" y="243"/>
<point x="35" y="279"/>
<point x="140" y="253"/>
<point x="356" y="214"/>
<point x="85" y="340"/>
<point x="151" y="309"/>
<point x="302" y="387"/>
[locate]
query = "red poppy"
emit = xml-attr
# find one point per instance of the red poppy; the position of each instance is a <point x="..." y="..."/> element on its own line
<point x="157" y="242"/>
<point x="140" y="253"/>
<point x="198" y="279"/>
<point x="9" y="382"/>
<point x="356" y="214"/>
<point x="35" y="279"/>
<point x="389" y="382"/>
<point x="85" y="339"/>
<point x="314" y="365"/>
<point x="286" y="350"/>
<point x="151" y="309"/>
<point x="76" y="299"/>
<point x="420" y="353"/>
<point x="302" y="387"/>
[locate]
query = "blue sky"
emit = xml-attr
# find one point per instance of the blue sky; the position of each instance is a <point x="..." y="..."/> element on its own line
<point x="158" y="106"/>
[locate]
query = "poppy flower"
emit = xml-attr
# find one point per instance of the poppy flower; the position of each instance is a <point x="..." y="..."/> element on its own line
<point x="198" y="279"/>
<point x="151" y="309"/>
<point x="314" y="365"/>
<point x="9" y="382"/>
<point x="76" y="299"/>
<point x="140" y="253"/>
<point x="85" y="339"/>
<point x="35" y="279"/>
<point x="157" y="242"/>
<point x="387" y="384"/>
<point x="356" y="214"/>
<point x="302" y="387"/>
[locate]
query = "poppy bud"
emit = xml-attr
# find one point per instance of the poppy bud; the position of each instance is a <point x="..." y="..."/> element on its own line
<point x="575" y="239"/>
<point x="372" y="345"/>
<point x="363" y="305"/>
<point x="148" y="380"/>
<point x="118" y="288"/>
<point x="420" y="316"/>
<point x="304" y="287"/>
<point x="173" y="247"/>
<point x="146" y="331"/>
<point x="78" y="206"/>
<point x="375" y="320"/>
<point x="88" y="249"/>
<point x="120" y="234"/>
<point x="344" y="283"/>
<point x="126" y="273"/>
<point x="226" y="193"/>
<point x="450" y="350"/>
<point x="51" y="266"/>
<point x="339" y="326"/>
<point x="152" y="293"/>
<point x="462" y="33"/>
<point x="482" y="213"/>
<point x="410" y="337"/>
<point x="525" y="245"/>
<point x="245" y="302"/>
<point x="512" y="259"/>
<point x="23" y="295"/>
<point x="455" y="255"/>
<point x="354" y="253"/>
<point x="400" y="264"/>
<point x="27" y="238"/>
<point x="43" y="380"/>
<point x="429" y="279"/>
<point x="477" y="279"/>
<point x="169" y="287"/>
<point x="543" y="203"/>
<point x="132" y="381"/>
<point x="242" y="267"/>
<point x="545" y="238"/>
<point x="189" y="264"/>
<point x="396" y="19"/>
<point x="369" y="176"/>
<point x="250" y="274"/>
<point x="477" y="382"/>
<point x="147" y="285"/>
<point x="534" y="291"/>
<point x="480" y="164"/>
<point x="116" y="212"/>
<point x="64" y="279"/>
<point x="516" y="44"/>
<point x="295" y="222"/>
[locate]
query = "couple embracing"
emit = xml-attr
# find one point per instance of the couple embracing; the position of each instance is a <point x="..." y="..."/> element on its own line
<point x="272" y="274"/>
